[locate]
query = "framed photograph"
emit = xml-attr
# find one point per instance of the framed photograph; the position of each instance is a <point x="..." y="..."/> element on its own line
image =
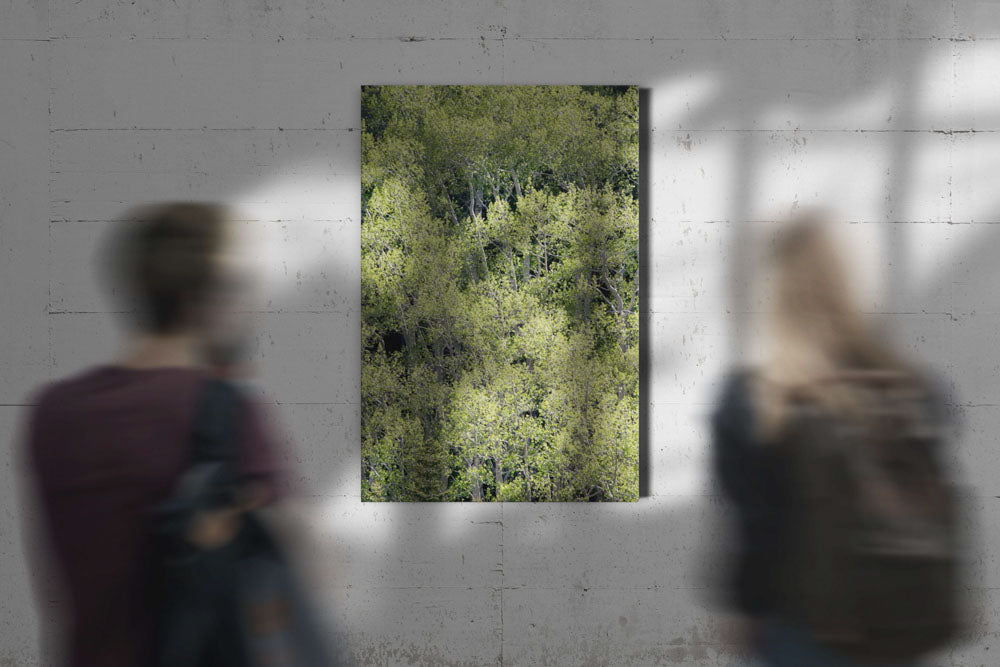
<point x="500" y="293"/>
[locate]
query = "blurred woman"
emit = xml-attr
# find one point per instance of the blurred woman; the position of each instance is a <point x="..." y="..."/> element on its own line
<point x="815" y="343"/>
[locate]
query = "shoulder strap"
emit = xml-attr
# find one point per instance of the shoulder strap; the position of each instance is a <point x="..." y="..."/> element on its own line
<point x="210" y="476"/>
<point x="216" y="418"/>
<point x="213" y="441"/>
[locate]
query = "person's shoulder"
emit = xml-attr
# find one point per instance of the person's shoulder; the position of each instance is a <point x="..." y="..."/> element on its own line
<point x="251" y="402"/>
<point x="734" y="408"/>
<point x="55" y="392"/>
<point x="242" y="392"/>
<point x="737" y="386"/>
<point x="42" y="395"/>
<point x="48" y="405"/>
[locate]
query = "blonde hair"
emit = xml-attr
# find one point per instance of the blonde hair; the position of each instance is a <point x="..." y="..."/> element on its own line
<point x="816" y="330"/>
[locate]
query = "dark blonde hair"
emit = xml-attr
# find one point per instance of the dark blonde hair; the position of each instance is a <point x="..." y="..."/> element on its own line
<point x="818" y="331"/>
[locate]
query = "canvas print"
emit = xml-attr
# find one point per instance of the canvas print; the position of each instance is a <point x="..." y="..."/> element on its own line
<point x="500" y="293"/>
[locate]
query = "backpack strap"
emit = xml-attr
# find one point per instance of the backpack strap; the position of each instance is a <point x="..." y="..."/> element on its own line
<point x="210" y="478"/>
<point x="213" y="439"/>
<point x="215" y="420"/>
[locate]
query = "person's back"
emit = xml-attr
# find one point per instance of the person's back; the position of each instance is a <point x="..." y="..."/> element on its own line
<point x="829" y="476"/>
<point x="105" y="446"/>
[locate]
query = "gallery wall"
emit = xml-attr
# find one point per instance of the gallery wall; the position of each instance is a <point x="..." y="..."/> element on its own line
<point x="887" y="113"/>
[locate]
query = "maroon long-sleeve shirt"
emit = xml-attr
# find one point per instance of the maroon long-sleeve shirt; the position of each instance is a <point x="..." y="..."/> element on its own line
<point x="104" y="447"/>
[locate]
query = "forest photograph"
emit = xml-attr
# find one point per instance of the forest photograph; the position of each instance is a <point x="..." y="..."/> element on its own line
<point x="500" y="293"/>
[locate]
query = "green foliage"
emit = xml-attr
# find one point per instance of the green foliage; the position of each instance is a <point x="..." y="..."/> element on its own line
<point x="500" y="283"/>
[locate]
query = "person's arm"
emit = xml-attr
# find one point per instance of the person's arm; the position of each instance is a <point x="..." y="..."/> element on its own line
<point x="747" y="472"/>
<point x="44" y="574"/>
<point x="264" y="479"/>
<point x="267" y="489"/>
<point x="259" y="478"/>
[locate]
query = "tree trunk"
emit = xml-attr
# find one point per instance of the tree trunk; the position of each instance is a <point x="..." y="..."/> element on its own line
<point x="451" y="207"/>
<point x="477" y="489"/>
<point x="482" y="249"/>
<point x="527" y="473"/>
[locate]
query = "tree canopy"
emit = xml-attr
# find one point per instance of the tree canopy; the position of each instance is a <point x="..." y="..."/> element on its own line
<point x="500" y="293"/>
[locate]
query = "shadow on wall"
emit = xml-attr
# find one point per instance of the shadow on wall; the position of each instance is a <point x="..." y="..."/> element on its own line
<point x="738" y="131"/>
<point x="446" y="560"/>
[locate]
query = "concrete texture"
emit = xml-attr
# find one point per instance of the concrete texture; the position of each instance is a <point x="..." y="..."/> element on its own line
<point x="887" y="111"/>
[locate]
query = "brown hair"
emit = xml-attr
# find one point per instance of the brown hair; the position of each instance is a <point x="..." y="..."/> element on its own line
<point x="167" y="259"/>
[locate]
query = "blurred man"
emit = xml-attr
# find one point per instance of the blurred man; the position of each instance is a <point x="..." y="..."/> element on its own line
<point x="106" y="445"/>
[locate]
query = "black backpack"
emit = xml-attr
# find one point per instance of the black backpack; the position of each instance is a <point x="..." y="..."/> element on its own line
<point x="238" y="605"/>
<point x="872" y="555"/>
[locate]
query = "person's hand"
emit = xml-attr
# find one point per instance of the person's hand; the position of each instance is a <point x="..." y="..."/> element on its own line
<point x="214" y="528"/>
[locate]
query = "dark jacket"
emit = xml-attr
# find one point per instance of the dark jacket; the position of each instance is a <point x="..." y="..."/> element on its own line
<point x="753" y="476"/>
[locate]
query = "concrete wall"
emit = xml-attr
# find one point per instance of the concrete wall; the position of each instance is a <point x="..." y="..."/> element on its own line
<point x="886" y="111"/>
